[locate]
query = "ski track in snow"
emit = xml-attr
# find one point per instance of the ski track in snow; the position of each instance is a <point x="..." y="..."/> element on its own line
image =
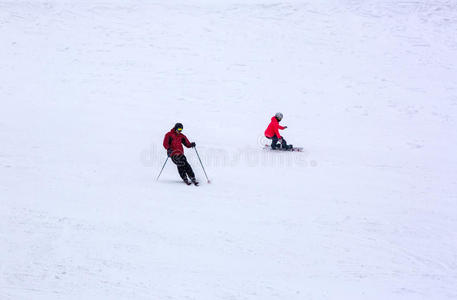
<point x="89" y="88"/>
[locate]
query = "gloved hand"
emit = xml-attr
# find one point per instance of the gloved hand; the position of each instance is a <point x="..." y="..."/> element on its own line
<point x="285" y="127"/>
<point x="169" y="152"/>
<point x="192" y="144"/>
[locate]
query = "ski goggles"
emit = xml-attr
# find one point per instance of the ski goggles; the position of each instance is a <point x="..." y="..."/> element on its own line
<point x="179" y="129"/>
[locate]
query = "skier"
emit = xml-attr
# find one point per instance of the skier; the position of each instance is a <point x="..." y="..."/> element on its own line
<point x="173" y="142"/>
<point x="272" y="133"/>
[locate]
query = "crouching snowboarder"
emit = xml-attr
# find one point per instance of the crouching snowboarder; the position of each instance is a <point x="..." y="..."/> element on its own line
<point x="272" y="133"/>
<point x="173" y="142"/>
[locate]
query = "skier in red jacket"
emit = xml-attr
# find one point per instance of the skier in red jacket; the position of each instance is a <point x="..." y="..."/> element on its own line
<point x="272" y="133"/>
<point x="173" y="142"/>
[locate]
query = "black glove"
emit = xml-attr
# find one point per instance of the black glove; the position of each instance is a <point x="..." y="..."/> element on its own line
<point x="192" y="144"/>
<point x="285" y="127"/>
<point x="169" y="152"/>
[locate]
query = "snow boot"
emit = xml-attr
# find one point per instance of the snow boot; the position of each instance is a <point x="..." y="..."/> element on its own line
<point x="276" y="146"/>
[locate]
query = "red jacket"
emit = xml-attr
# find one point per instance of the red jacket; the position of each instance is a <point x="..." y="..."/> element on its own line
<point x="273" y="128"/>
<point x="174" y="140"/>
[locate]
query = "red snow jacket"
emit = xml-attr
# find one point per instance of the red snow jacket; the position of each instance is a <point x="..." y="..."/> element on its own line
<point x="174" y="140"/>
<point x="273" y="129"/>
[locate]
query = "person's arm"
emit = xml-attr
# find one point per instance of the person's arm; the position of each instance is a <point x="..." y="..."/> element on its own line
<point x="167" y="141"/>
<point x="277" y="131"/>
<point x="282" y="127"/>
<point x="186" y="142"/>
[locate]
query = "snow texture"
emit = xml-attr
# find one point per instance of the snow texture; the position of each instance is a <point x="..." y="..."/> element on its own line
<point x="89" y="88"/>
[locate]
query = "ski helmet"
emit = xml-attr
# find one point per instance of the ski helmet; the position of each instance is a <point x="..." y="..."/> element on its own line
<point x="178" y="126"/>
<point x="278" y="116"/>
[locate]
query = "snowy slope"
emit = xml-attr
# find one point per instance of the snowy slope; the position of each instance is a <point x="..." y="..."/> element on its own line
<point x="89" y="88"/>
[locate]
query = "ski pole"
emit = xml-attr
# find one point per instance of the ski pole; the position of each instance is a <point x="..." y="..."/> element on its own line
<point x="162" y="168"/>
<point x="202" y="164"/>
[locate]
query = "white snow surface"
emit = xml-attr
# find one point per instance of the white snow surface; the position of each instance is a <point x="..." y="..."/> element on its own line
<point x="89" y="88"/>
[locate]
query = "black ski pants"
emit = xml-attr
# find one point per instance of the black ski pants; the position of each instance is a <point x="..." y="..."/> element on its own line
<point x="274" y="142"/>
<point x="184" y="169"/>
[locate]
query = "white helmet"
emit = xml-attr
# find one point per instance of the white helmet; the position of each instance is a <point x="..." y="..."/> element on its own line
<point x="278" y="116"/>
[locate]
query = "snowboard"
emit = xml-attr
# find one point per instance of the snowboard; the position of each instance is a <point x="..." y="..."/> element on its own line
<point x="294" y="149"/>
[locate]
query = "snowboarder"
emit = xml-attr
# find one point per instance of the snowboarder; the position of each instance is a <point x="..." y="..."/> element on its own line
<point x="272" y="133"/>
<point x="173" y="142"/>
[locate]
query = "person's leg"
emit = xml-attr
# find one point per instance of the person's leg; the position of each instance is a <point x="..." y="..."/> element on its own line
<point x="284" y="143"/>
<point x="188" y="169"/>
<point x="274" y="142"/>
<point x="285" y="146"/>
<point x="180" y="161"/>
